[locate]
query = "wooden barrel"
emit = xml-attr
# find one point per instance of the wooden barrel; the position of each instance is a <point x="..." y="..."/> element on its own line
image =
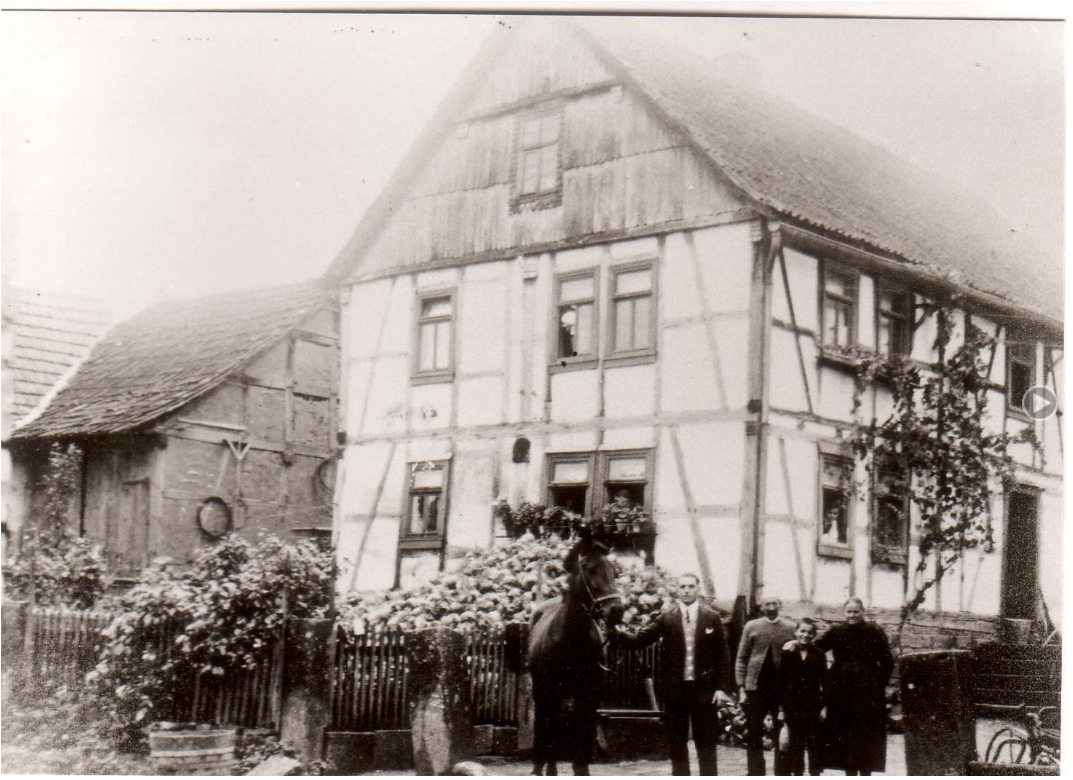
<point x="208" y="752"/>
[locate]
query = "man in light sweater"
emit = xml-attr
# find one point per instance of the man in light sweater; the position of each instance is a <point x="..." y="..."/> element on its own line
<point x="757" y="673"/>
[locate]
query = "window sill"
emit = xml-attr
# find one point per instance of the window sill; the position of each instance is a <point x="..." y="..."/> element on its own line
<point x="888" y="556"/>
<point x="834" y="551"/>
<point x="630" y="359"/>
<point x="1017" y="413"/>
<point x="536" y="201"/>
<point x="421" y="543"/>
<point x="572" y="364"/>
<point x="432" y="378"/>
<point x="832" y="359"/>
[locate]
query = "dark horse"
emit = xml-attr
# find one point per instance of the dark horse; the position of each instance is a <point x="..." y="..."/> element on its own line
<point x="566" y="655"/>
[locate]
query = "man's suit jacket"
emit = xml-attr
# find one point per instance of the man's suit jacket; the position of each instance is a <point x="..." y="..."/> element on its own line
<point x="712" y="664"/>
<point x="802" y="684"/>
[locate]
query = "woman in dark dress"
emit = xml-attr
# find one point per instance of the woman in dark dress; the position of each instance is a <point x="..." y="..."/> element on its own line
<point x="855" y="731"/>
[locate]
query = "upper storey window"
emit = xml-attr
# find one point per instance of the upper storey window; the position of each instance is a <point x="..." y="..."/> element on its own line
<point x="632" y="323"/>
<point x="435" y="345"/>
<point x="1020" y="373"/>
<point x="536" y="175"/>
<point x="577" y="320"/>
<point x="894" y="322"/>
<point x="839" y="291"/>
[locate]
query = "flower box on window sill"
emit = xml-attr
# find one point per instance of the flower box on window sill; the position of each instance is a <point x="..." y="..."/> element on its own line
<point x="836" y="357"/>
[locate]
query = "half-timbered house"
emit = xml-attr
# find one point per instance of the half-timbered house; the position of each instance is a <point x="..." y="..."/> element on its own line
<point x="608" y="267"/>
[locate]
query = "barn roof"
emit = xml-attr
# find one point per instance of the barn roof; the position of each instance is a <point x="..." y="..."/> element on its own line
<point x="49" y="334"/>
<point x="168" y="355"/>
<point x="793" y="163"/>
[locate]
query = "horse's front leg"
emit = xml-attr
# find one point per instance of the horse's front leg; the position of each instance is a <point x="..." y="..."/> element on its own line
<point x="583" y="731"/>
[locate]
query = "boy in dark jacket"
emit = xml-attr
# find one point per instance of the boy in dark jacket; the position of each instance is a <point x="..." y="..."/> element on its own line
<point x="802" y="680"/>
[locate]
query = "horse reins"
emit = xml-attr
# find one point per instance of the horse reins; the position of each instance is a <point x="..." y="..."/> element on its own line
<point x="593" y="610"/>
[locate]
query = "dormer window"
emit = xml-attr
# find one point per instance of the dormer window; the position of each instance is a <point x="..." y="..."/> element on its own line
<point x="537" y="177"/>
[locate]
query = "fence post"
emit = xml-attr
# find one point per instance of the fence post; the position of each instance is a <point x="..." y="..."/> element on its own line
<point x="15" y="615"/>
<point x="441" y="715"/>
<point x="307" y="668"/>
<point x="517" y="637"/>
<point x="940" y="724"/>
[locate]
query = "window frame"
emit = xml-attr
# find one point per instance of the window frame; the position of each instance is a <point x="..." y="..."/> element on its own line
<point x="606" y="457"/>
<point x="905" y="349"/>
<point x="557" y="363"/>
<point x="428" y="376"/>
<point x="1013" y="405"/>
<point x="644" y="354"/>
<point x="409" y="540"/>
<point x="884" y="553"/>
<point x="825" y="547"/>
<point x="599" y="468"/>
<point x="826" y="267"/>
<point x="539" y="199"/>
<point x="551" y="458"/>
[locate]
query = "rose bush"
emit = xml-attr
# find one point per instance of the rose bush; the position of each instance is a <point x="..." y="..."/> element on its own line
<point x="500" y="585"/>
<point x="221" y="614"/>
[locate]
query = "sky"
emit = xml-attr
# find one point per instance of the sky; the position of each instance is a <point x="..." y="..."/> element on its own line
<point x="165" y="155"/>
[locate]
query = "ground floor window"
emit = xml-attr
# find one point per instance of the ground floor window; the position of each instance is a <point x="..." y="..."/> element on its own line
<point x="890" y="516"/>
<point x="426" y="506"/>
<point x="836" y="489"/>
<point x="586" y="482"/>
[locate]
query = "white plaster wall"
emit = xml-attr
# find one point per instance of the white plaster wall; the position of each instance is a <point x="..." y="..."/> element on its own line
<point x="469" y="502"/>
<point x="725" y="254"/>
<point x="575" y="395"/>
<point x="803" y="275"/>
<point x="629" y="391"/>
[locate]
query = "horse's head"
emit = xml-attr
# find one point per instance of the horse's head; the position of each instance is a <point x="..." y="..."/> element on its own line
<point x="592" y="579"/>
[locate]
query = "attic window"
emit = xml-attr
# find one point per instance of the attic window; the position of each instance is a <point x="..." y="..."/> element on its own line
<point x="536" y="172"/>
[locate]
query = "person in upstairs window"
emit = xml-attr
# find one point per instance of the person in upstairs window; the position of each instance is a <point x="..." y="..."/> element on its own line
<point x="757" y="673"/>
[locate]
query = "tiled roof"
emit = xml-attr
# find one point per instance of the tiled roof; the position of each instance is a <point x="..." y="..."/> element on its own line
<point x="170" y="354"/>
<point x="800" y="167"/>
<point x="814" y="172"/>
<point x="48" y="335"/>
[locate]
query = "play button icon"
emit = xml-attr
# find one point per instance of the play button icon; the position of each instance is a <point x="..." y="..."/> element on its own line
<point x="1039" y="402"/>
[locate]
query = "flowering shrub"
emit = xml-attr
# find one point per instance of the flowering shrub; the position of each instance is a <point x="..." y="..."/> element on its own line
<point x="498" y="586"/>
<point x="70" y="572"/>
<point x="618" y="517"/>
<point x="228" y="608"/>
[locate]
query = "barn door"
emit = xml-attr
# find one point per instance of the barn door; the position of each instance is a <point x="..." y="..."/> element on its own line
<point x="1020" y="570"/>
<point x="131" y="545"/>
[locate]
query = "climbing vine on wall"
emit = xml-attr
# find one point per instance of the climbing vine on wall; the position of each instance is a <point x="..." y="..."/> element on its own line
<point x="936" y="438"/>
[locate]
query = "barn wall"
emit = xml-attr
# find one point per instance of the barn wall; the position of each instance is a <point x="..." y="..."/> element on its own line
<point x="279" y="415"/>
<point x="689" y="395"/>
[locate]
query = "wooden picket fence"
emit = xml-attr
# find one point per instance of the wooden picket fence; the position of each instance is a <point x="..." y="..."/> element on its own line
<point x="370" y="691"/>
<point x="493" y="679"/>
<point x="64" y="645"/>
<point x="624" y="682"/>
<point x="371" y="671"/>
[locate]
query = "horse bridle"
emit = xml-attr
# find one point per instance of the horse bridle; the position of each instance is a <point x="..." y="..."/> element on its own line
<point x="593" y="609"/>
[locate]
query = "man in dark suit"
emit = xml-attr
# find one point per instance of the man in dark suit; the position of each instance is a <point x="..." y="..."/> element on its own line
<point x="696" y="671"/>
